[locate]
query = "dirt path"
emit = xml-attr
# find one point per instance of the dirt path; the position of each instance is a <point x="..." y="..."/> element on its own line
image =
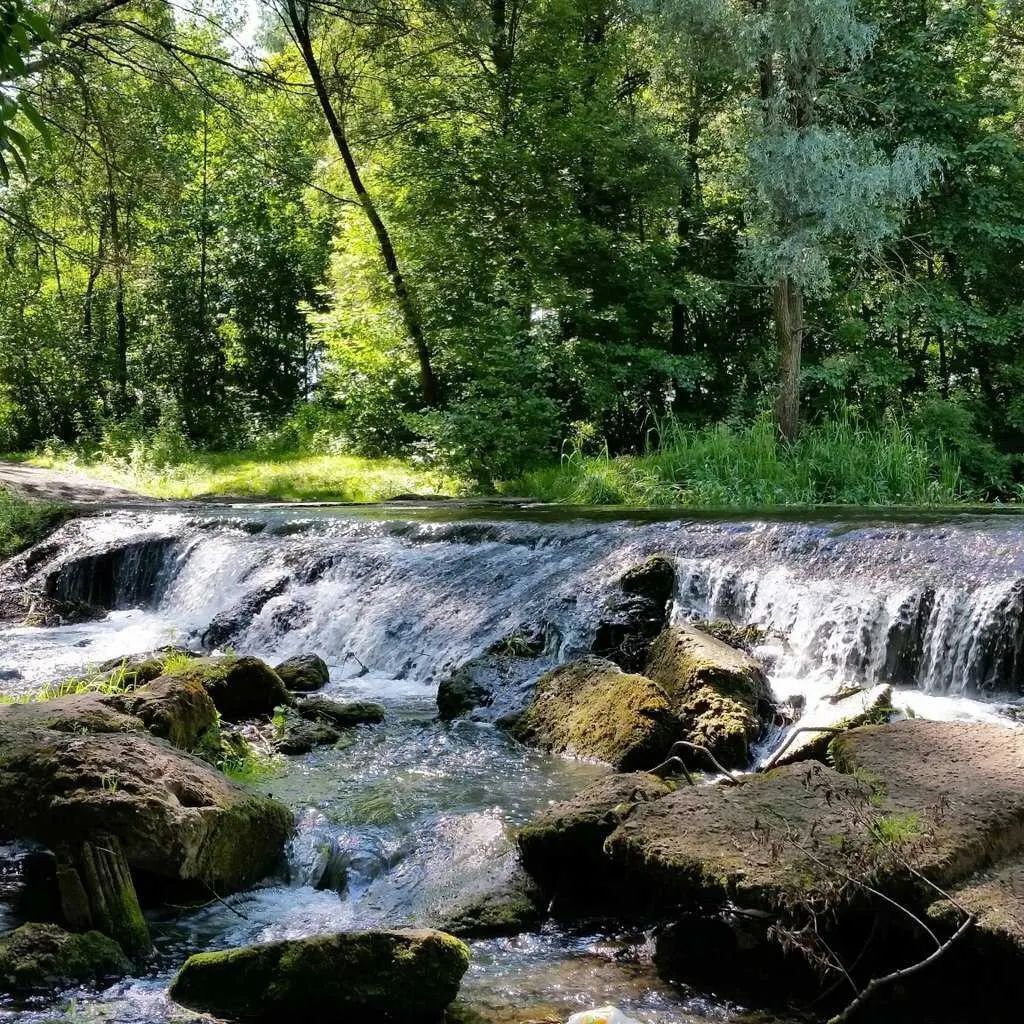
<point x="52" y="485"/>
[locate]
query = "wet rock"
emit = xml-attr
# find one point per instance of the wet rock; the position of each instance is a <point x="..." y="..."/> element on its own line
<point x="592" y="709"/>
<point x="720" y="694"/>
<point x="97" y="893"/>
<point x="139" y="669"/>
<point x="400" y="976"/>
<point x="304" y="672"/>
<point x="175" y="817"/>
<point x="502" y="677"/>
<point x="228" y="625"/>
<point x="513" y="907"/>
<point x="240" y="688"/>
<point x="637" y="614"/>
<point x="742" y="638"/>
<point x="562" y="848"/>
<point x="846" y="710"/>
<point x="174" y="708"/>
<point x="319" y="721"/>
<point x="39" y="957"/>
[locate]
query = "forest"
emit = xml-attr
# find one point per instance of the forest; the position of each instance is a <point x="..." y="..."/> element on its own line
<point x="645" y="251"/>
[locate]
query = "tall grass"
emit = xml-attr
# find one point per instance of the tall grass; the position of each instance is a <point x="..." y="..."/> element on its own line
<point x="22" y="523"/>
<point x="743" y="465"/>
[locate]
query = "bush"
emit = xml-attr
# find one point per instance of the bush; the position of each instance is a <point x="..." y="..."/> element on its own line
<point x="23" y="523"/>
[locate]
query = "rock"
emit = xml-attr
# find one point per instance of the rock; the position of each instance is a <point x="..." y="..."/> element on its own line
<point x="228" y="625"/>
<point x="592" y="709"/>
<point x="562" y="848"/>
<point x="240" y="687"/>
<point x="340" y="715"/>
<point x="846" y="711"/>
<point x="176" y="817"/>
<point x="174" y="708"/>
<point x="401" y="976"/>
<point x="720" y="693"/>
<point x="45" y="957"/>
<point x="501" y="679"/>
<point x="602" y="1015"/>
<point x="991" y="952"/>
<point x="512" y="907"/>
<point x="317" y="721"/>
<point x="742" y="638"/>
<point x="137" y="669"/>
<point x="637" y="614"/>
<point x="304" y="672"/>
<point x="97" y="893"/>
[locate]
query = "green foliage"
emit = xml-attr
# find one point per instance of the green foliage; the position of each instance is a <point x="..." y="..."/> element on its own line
<point x="23" y="523"/>
<point x="22" y="29"/>
<point x="730" y="466"/>
<point x="896" y="829"/>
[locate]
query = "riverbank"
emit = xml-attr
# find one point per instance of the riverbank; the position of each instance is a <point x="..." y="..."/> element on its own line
<point x="722" y="466"/>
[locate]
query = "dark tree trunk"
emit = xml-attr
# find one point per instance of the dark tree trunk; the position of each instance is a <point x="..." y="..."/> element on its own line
<point x="120" y="320"/>
<point x="298" y="18"/>
<point x="789" y="333"/>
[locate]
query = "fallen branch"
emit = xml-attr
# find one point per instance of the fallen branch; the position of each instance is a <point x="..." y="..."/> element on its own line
<point x="876" y="983"/>
<point x="770" y="763"/>
<point x="673" y="760"/>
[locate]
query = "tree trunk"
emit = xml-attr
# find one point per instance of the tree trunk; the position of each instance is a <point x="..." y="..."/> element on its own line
<point x="789" y="333"/>
<point x="298" y="17"/>
<point x="121" y="321"/>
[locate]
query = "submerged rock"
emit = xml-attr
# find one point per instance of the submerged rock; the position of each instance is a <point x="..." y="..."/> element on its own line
<point x="592" y="709"/>
<point x="720" y="694"/>
<point x="318" y="721"/>
<point x="512" y="907"/>
<point x="563" y="847"/>
<point x="228" y="625"/>
<point x="304" y="672"/>
<point x="637" y="614"/>
<point x="503" y="675"/>
<point x="400" y="976"/>
<point x="39" y="957"/>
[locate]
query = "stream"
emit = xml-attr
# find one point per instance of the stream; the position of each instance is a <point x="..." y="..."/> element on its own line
<point x="398" y="822"/>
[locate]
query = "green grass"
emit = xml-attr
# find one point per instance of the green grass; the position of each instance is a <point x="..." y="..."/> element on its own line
<point x="22" y="523"/>
<point x="730" y="466"/>
<point x="283" y="477"/>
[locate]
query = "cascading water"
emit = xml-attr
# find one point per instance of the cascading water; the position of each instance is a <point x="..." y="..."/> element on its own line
<point x="400" y="821"/>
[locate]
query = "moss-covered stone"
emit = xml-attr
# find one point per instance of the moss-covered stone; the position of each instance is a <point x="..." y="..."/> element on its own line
<point x="513" y="906"/>
<point x="398" y="976"/>
<point x="720" y="694"/>
<point x="562" y="848"/>
<point x="240" y="688"/>
<point x="592" y="709"/>
<point x="43" y="956"/>
<point x="303" y="672"/>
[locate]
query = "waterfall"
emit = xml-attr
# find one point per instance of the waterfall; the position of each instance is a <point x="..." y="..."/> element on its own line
<point x="939" y="607"/>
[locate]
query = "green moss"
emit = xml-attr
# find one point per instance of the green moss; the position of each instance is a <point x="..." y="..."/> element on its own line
<point x="42" y="956"/>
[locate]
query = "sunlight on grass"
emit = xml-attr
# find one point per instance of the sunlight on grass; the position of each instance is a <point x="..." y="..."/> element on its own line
<point x="278" y="477"/>
<point x="22" y="523"/>
<point x="748" y="466"/>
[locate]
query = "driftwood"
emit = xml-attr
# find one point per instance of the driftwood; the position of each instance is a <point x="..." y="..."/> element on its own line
<point x="675" y="763"/>
<point x="770" y="763"/>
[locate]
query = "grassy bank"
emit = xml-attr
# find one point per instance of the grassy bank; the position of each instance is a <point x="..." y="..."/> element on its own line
<point x="725" y="466"/>
<point x="282" y="477"/>
<point x="22" y="523"/>
<point x="719" y="466"/>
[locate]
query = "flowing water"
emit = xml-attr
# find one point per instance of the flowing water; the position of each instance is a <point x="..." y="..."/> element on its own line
<point x="401" y="821"/>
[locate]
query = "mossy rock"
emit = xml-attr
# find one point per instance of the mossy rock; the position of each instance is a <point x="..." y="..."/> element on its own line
<point x="39" y="957"/>
<point x="512" y="907"/>
<point x="592" y="709"/>
<point x="240" y="688"/>
<point x="303" y="673"/>
<point x="563" y="847"/>
<point x="406" y="976"/>
<point x="720" y="693"/>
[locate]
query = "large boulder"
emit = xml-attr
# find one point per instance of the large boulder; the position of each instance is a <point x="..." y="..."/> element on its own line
<point x="720" y="694"/>
<point x="176" y="817"/>
<point x="304" y="672"/>
<point x="563" y="847"/>
<point x="636" y="613"/>
<point x="175" y="708"/>
<point x="44" y="957"/>
<point x="592" y="709"/>
<point x="240" y="688"/>
<point x="512" y="906"/>
<point x="402" y="976"/>
<point x="317" y="721"/>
